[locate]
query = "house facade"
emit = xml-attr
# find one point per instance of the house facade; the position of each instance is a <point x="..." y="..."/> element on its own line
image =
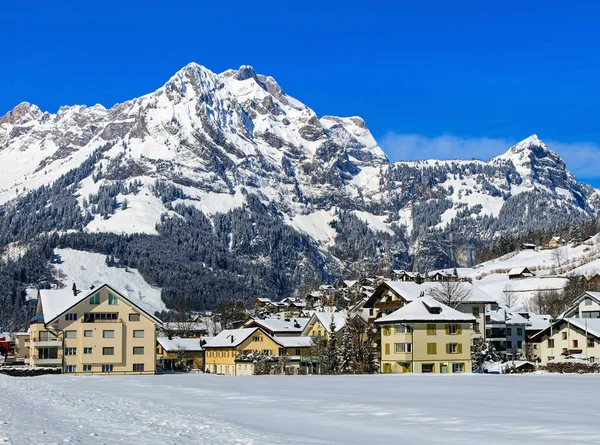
<point x="587" y="305"/>
<point x="579" y="337"/>
<point x="426" y="336"/>
<point x="99" y="331"/>
<point x="180" y="353"/>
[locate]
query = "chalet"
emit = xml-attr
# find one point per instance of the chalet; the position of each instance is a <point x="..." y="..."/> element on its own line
<point x="587" y="305"/>
<point x="261" y="302"/>
<point x="349" y="285"/>
<point x="180" y="353"/>
<point x="441" y="276"/>
<point x="192" y="329"/>
<point x="402" y="275"/>
<point x="519" y="272"/>
<point x="426" y="336"/>
<point x="566" y="337"/>
<point x="556" y="241"/>
<point x="528" y="246"/>
<point x="590" y="283"/>
<point x="390" y="296"/>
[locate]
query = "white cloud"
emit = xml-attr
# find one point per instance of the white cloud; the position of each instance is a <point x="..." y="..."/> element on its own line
<point x="582" y="158"/>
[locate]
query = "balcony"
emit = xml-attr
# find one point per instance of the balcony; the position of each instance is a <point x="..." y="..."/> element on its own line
<point x="46" y="361"/>
<point x="50" y="343"/>
<point x="92" y="320"/>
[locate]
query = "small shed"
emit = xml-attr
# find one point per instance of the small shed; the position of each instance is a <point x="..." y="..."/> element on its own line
<point x="519" y="272"/>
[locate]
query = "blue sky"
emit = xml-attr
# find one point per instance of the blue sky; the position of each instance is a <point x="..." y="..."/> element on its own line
<point x="430" y="78"/>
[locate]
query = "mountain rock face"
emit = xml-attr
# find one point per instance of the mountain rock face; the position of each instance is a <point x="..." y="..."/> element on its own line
<point x="281" y="197"/>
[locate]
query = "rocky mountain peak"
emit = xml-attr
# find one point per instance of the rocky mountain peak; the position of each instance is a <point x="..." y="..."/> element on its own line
<point x="21" y="114"/>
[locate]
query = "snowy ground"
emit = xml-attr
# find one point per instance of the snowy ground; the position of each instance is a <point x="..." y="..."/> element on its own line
<point x="206" y="409"/>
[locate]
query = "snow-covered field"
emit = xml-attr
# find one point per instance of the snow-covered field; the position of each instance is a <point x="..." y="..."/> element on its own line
<point x="206" y="409"/>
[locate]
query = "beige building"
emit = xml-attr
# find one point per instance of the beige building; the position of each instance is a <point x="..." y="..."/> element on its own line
<point x="96" y="331"/>
<point x="567" y="337"/>
<point x="426" y="336"/>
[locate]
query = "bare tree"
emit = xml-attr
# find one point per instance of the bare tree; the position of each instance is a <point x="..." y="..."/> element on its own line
<point x="451" y="293"/>
<point x="559" y="256"/>
<point x="508" y="296"/>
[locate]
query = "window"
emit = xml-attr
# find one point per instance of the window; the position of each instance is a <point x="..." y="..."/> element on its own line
<point x="107" y="368"/>
<point x="458" y="367"/>
<point x="402" y="329"/>
<point x="590" y="314"/>
<point x="564" y="350"/>
<point x="476" y="327"/>
<point x="70" y="351"/>
<point x="256" y="338"/>
<point x="453" y="329"/>
<point x="430" y="329"/>
<point x="112" y="299"/>
<point x="550" y="342"/>
<point x="71" y="317"/>
<point x="46" y="336"/>
<point x="95" y="299"/>
<point x="266" y="352"/>
<point x="575" y="343"/>
<point x="431" y="348"/>
<point x="70" y="334"/>
<point x="509" y="344"/>
<point x="427" y="368"/>
<point x="519" y="331"/>
<point x="298" y="352"/>
<point x="88" y="333"/>
<point x="138" y="333"/>
<point x="138" y="350"/>
<point x="70" y="368"/>
<point x="590" y="343"/>
<point x="387" y="330"/>
<point x="476" y="311"/>
<point x="108" y="351"/>
<point x="588" y="302"/>
<point x="134" y="317"/>
<point x="108" y="334"/>
<point x="550" y="357"/>
<point x="87" y="350"/>
<point x="138" y="367"/>
<point x="403" y="348"/>
<point x="87" y="368"/>
<point x="534" y="346"/>
<point x="508" y="331"/>
<point x="519" y="344"/>
<point x="454" y="348"/>
<point x="91" y="317"/>
<point x="564" y="335"/>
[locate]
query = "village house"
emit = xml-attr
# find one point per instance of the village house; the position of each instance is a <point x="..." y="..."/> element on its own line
<point x="426" y="336"/>
<point x="319" y="324"/>
<point x="518" y="273"/>
<point x="96" y="331"/>
<point x="591" y="283"/>
<point x="180" y="353"/>
<point x="507" y="330"/>
<point x="233" y="351"/>
<point x="587" y="305"/>
<point x="402" y="275"/>
<point x="568" y="337"/>
<point x="528" y="246"/>
<point x="556" y="241"/>
<point x="261" y="302"/>
<point x="278" y="327"/>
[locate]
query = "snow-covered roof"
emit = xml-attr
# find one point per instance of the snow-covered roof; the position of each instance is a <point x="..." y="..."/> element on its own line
<point x="538" y="322"/>
<point x="179" y="344"/>
<point x="595" y="296"/>
<point x="508" y="316"/>
<point x="406" y="289"/>
<point x="56" y="302"/>
<point x="185" y="326"/>
<point x="231" y="338"/>
<point x="519" y="271"/>
<point x="349" y="283"/>
<point x="425" y="309"/>
<point x="280" y="325"/>
<point x="295" y="342"/>
<point x="339" y="318"/>
<point x="475" y="294"/>
<point x="263" y="300"/>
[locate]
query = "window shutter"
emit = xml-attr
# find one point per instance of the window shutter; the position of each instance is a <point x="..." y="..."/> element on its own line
<point x="447" y="329"/>
<point x="387" y="348"/>
<point x="447" y="348"/>
<point x="458" y="329"/>
<point x="459" y="348"/>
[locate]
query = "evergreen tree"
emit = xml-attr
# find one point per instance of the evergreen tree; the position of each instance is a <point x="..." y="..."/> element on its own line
<point x="483" y="351"/>
<point x="349" y="353"/>
<point x="331" y="363"/>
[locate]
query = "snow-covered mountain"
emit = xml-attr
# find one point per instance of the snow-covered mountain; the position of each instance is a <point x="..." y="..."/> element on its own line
<point x="236" y="144"/>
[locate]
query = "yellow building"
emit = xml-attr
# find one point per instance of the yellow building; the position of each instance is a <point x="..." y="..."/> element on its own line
<point x="426" y="336"/>
<point x="228" y="353"/>
<point x="567" y="337"/>
<point x="97" y="331"/>
<point x="320" y="322"/>
<point x="181" y="353"/>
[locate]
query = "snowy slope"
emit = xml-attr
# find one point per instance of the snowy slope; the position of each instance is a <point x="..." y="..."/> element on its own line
<point x="208" y="409"/>
<point x="87" y="269"/>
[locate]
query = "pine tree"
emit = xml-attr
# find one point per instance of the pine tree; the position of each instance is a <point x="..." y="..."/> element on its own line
<point x="483" y="351"/>
<point x="331" y="359"/>
<point x="348" y="350"/>
<point x="575" y="235"/>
